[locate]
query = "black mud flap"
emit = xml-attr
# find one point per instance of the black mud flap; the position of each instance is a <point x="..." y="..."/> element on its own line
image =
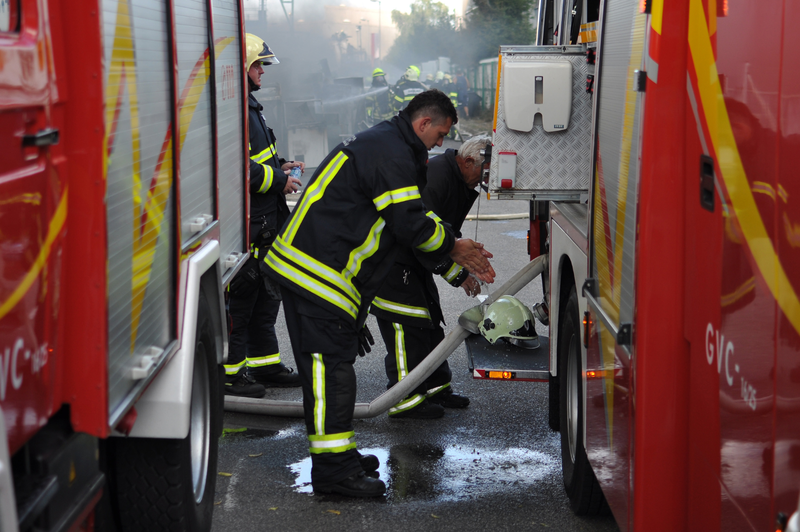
<point x="503" y="361"/>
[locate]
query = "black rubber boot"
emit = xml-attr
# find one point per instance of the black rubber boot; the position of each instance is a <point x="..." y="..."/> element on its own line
<point x="369" y="462"/>
<point x="425" y="410"/>
<point x="357" y="485"/>
<point x="284" y="378"/>
<point x="448" y="399"/>
<point x="244" y="386"/>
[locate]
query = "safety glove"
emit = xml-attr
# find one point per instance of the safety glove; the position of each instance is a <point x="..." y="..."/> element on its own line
<point x="365" y="340"/>
<point x="247" y="279"/>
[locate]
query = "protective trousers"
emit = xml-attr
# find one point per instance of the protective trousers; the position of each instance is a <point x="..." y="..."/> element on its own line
<point x="325" y="349"/>
<point x="253" y="342"/>
<point x="408" y="346"/>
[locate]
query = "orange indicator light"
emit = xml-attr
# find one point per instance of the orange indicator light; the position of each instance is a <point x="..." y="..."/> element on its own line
<point x="500" y="374"/>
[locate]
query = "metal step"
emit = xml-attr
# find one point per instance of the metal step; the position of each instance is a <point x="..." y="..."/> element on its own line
<point x="503" y="361"/>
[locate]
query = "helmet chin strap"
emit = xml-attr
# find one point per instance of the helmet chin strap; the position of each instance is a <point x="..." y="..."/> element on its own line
<point x="251" y="85"/>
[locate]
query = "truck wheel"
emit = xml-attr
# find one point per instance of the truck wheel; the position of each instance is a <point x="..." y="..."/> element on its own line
<point x="554" y="412"/>
<point x="581" y="485"/>
<point x="166" y="484"/>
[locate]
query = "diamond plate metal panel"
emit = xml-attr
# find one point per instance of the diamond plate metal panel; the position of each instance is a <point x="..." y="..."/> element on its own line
<point x="548" y="162"/>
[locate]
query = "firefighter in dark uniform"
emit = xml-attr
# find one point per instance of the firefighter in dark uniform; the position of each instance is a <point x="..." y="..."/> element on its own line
<point x="379" y="99"/>
<point x="254" y="360"/>
<point x="408" y="87"/>
<point x="333" y="254"/>
<point x="407" y="305"/>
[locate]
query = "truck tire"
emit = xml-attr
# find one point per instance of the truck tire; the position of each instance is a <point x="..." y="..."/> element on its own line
<point x="167" y="484"/>
<point x="580" y="482"/>
<point x="554" y="411"/>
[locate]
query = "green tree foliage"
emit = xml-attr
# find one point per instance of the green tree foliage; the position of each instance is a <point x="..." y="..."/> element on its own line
<point x="491" y="23"/>
<point x="429" y="31"/>
<point x="426" y="33"/>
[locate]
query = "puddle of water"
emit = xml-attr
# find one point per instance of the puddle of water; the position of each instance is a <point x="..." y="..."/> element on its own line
<point x="438" y="473"/>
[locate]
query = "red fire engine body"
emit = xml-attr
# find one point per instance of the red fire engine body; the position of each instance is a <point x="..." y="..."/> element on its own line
<point x="668" y="205"/>
<point x="123" y="213"/>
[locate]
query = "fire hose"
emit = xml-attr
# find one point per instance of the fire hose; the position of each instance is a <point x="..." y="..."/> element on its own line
<point x="396" y="393"/>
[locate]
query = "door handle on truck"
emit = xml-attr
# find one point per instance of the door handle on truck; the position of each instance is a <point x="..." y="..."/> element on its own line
<point x="45" y="137"/>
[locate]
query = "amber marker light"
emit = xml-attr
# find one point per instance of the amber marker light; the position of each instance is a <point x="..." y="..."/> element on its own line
<point x="500" y="374"/>
<point x="586" y="322"/>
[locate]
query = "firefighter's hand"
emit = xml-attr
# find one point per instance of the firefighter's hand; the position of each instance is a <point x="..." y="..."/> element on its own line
<point x="365" y="340"/>
<point x="473" y="257"/>
<point x="471" y="286"/>
<point x="292" y="164"/>
<point x="292" y="185"/>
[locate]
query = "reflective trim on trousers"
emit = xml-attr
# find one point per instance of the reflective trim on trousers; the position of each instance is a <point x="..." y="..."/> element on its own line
<point x="233" y="369"/>
<point x="332" y="443"/>
<point x="268" y="360"/>
<point x="434" y="391"/>
<point x="318" y="385"/>
<point x="407" y="404"/>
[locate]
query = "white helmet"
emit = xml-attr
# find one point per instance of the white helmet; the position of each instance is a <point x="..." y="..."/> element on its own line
<point x="509" y="319"/>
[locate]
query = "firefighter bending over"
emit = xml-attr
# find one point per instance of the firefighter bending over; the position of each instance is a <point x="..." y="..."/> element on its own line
<point x="254" y="361"/>
<point x="361" y="205"/>
<point x="407" y="305"/>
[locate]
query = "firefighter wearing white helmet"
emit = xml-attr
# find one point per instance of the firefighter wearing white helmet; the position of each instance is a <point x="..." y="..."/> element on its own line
<point x="508" y="319"/>
<point x="254" y="360"/>
<point x="408" y="87"/>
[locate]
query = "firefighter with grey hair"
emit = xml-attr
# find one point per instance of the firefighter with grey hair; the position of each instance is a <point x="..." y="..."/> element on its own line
<point x="407" y="306"/>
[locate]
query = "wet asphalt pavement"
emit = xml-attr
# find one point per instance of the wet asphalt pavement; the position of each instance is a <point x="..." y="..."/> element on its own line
<point x="494" y="465"/>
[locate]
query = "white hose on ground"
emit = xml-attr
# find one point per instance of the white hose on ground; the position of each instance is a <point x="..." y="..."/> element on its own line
<point x="393" y="395"/>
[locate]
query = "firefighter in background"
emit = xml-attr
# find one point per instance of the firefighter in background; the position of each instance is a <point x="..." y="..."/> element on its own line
<point x="438" y="82"/>
<point x="254" y="360"/>
<point x="333" y="255"/>
<point x="408" y="87"/>
<point x="462" y="88"/>
<point x="407" y="306"/>
<point x="450" y="90"/>
<point x="379" y="98"/>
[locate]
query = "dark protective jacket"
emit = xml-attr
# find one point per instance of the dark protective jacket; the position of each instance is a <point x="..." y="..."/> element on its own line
<point x="379" y="104"/>
<point x="268" y="209"/>
<point x="405" y="91"/>
<point x="362" y="204"/>
<point x="409" y="295"/>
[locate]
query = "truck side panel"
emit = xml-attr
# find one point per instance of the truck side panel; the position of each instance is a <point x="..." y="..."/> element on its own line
<point x="33" y="209"/>
<point x="614" y="216"/>
<point x="231" y="144"/>
<point x="197" y="158"/>
<point x="140" y="185"/>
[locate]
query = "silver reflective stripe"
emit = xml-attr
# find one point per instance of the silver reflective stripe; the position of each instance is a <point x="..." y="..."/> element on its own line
<point x="318" y="385"/>
<point x="365" y="250"/>
<point x="400" y="351"/>
<point x="398" y="308"/>
<point x="435" y="241"/>
<point x="452" y="273"/>
<point x="396" y="196"/>
<point x="408" y="404"/>
<point x="327" y="444"/>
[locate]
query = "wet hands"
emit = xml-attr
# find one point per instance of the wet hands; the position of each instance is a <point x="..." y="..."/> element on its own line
<point x="292" y="183"/>
<point x="365" y="340"/>
<point x="471" y="286"/>
<point x="472" y="256"/>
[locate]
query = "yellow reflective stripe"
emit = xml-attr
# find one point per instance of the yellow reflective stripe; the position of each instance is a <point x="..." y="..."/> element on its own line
<point x="434" y="391"/>
<point x="732" y="170"/>
<point x="310" y="284"/>
<point x="435" y="241"/>
<point x="433" y="216"/>
<point x="396" y="196"/>
<point x="332" y="443"/>
<point x="233" y="369"/>
<point x="314" y="193"/>
<point x="398" y="98"/>
<point x="407" y="404"/>
<point x="268" y="178"/>
<point x="318" y="388"/>
<point x="264" y="154"/>
<point x="452" y="273"/>
<point x="314" y="266"/>
<point x="400" y="351"/>
<point x="399" y="308"/>
<point x="365" y="250"/>
<point x="264" y="361"/>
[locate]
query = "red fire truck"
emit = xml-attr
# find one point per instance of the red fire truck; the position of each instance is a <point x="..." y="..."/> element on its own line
<point x="659" y="144"/>
<point x="123" y="213"/>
